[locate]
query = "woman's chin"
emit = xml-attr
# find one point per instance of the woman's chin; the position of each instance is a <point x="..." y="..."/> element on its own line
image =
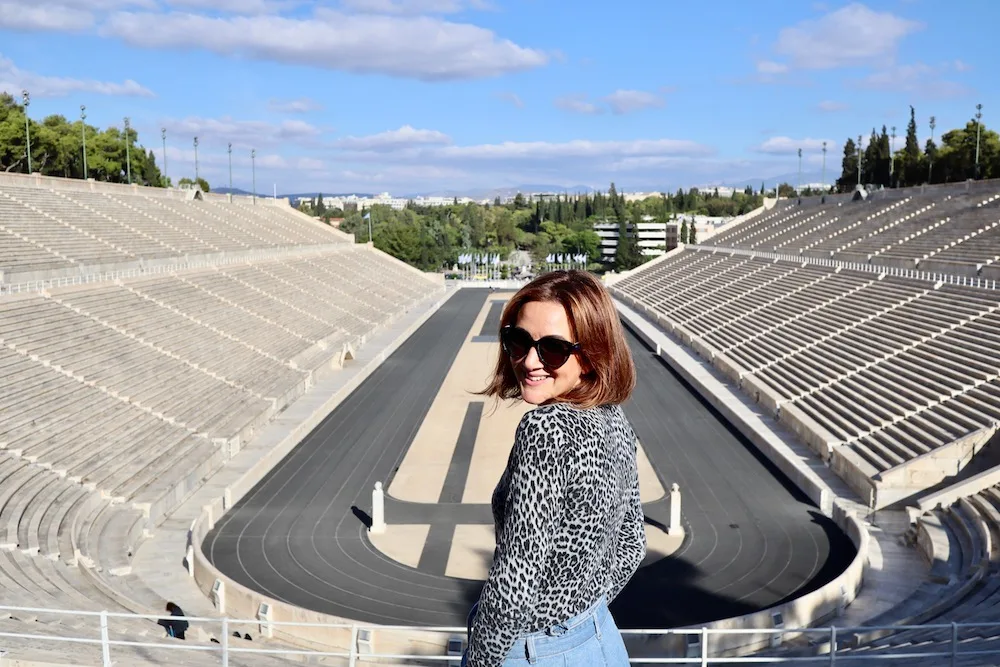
<point x="534" y="395"/>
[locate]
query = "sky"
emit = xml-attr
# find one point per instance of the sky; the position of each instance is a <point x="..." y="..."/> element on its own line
<point x="425" y="96"/>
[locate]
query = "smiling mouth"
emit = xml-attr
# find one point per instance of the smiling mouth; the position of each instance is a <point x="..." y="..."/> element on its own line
<point x="535" y="381"/>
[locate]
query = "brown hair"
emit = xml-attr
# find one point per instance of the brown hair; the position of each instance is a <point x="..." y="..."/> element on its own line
<point x="610" y="375"/>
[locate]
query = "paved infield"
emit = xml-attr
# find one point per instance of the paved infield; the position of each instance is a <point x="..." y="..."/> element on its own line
<point x="300" y="535"/>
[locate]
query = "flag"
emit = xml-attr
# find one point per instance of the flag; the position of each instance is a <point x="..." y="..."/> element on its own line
<point x="366" y="216"/>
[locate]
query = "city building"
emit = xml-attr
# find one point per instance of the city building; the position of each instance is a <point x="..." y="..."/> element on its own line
<point x="655" y="237"/>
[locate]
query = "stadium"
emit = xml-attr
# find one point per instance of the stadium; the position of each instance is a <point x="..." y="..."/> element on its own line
<point x="224" y="403"/>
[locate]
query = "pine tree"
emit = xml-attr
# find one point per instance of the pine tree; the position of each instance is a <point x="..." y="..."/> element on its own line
<point x="912" y="148"/>
<point x="869" y="163"/>
<point x="910" y="169"/>
<point x="849" y="167"/>
<point x="692" y="233"/>
<point x="684" y="231"/>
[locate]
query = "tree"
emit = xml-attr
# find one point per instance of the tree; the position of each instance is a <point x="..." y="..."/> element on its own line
<point x="627" y="254"/>
<point x="201" y="183"/>
<point x="320" y="209"/>
<point x="692" y="233"/>
<point x="849" y="167"/>
<point x="684" y="231"/>
<point x="57" y="148"/>
<point x="786" y="190"/>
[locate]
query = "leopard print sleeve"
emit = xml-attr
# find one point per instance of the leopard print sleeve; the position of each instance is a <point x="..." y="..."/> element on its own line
<point x="631" y="543"/>
<point x="534" y="483"/>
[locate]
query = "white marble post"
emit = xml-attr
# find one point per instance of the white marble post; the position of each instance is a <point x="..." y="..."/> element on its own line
<point x="675" y="510"/>
<point x="378" y="510"/>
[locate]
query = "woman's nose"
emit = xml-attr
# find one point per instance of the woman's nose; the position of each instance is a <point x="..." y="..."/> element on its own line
<point x="531" y="360"/>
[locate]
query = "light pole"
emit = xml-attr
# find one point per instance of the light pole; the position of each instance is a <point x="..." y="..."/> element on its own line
<point x="163" y="136"/>
<point x="253" y="168"/>
<point x="230" y="149"/>
<point x="979" y="126"/>
<point x="128" y="157"/>
<point x="798" y="188"/>
<point x="859" y="161"/>
<point x="930" y="162"/>
<point x="892" y="155"/>
<point x="196" y="160"/>
<point x="824" y="167"/>
<point x="27" y="126"/>
<point x="83" y="137"/>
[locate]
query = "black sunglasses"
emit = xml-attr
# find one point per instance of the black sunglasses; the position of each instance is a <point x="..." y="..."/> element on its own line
<point x="553" y="352"/>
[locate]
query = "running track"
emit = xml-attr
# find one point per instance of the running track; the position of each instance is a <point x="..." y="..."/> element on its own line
<point x="299" y="535"/>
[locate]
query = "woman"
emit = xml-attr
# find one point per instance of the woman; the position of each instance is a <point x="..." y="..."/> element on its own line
<point x="569" y="523"/>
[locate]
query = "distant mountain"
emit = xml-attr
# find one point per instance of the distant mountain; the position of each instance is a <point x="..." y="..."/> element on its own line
<point x="237" y="191"/>
<point x="326" y="195"/>
<point x="493" y="193"/>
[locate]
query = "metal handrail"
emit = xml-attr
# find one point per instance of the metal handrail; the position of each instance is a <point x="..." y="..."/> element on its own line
<point x="207" y="261"/>
<point x="913" y="274"/>
<point x="224" y="648"/>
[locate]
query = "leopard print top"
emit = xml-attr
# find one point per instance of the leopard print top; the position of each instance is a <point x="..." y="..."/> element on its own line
<point x="569" y="525"/>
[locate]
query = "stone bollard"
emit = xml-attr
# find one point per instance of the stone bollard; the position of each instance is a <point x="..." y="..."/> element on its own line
<point x="675" y="510"/>
<point x="378" y="510"/>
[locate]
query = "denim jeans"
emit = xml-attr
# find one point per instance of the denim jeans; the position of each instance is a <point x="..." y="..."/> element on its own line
<point x="589" y="639"/>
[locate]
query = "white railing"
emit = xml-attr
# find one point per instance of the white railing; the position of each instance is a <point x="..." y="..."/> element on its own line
<point x="184" y="263"/>
<point x="913" y="274"/>
<point x="694" y="643"/>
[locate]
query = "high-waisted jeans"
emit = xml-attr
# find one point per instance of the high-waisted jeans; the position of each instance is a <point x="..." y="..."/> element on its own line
<point x="589" y="639"/>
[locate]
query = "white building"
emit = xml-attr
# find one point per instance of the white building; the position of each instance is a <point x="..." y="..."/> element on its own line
<point x="655" y="236"/>
<point x="385" y="199"/>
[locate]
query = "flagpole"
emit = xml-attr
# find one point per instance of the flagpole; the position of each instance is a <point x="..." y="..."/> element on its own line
<point x="370" y="239"/>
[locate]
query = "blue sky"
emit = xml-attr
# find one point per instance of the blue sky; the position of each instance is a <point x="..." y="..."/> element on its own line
<point x="415" y="96"/>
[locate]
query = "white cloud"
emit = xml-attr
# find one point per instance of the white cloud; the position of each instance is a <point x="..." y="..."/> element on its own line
<point x="577" y="149"/>
<point x="14" y="79"/>
<point x="850" y="36"/>
<point x="236" y="6"/>
<point x="19" y="15"/>
<point x="831" y="106"/>
<point x="422" y="47"/>
<point x="771" y="67"/>
<point x="918" y="79"/>
<point x="619" y="102"/>
<point x="394" y="140"/>
<point x="512" y="98"/>
<point x="627" y="101"/>
<point x="242" y="133"/>
<point x="412" y="7"/>
<point x="789" y="146"/>
<point x="577" y="104"/>
<point x="300" y="105"/>
<point x="961" y="66"/>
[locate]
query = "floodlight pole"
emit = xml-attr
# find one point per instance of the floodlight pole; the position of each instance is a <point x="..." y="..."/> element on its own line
<point x="798" y="188"/>
<point x="230" y="150"/>
<point x="930" y="161"/>
<point x="979" y="127"/>
<point x="128" y="157"/>
<point x="859" y="161"/>
<point x="27" y="126"/>
<point x="824" y="167"/>
<point x="196" y="160"/>
<point x="253" y="168"/>
<point x="163" y="136"/>
<point x="83" y="137"/>
<point x="892" y="155"/>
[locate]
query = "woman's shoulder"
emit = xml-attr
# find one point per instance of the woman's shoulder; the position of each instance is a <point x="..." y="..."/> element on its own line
<point x="567" y="418"/>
